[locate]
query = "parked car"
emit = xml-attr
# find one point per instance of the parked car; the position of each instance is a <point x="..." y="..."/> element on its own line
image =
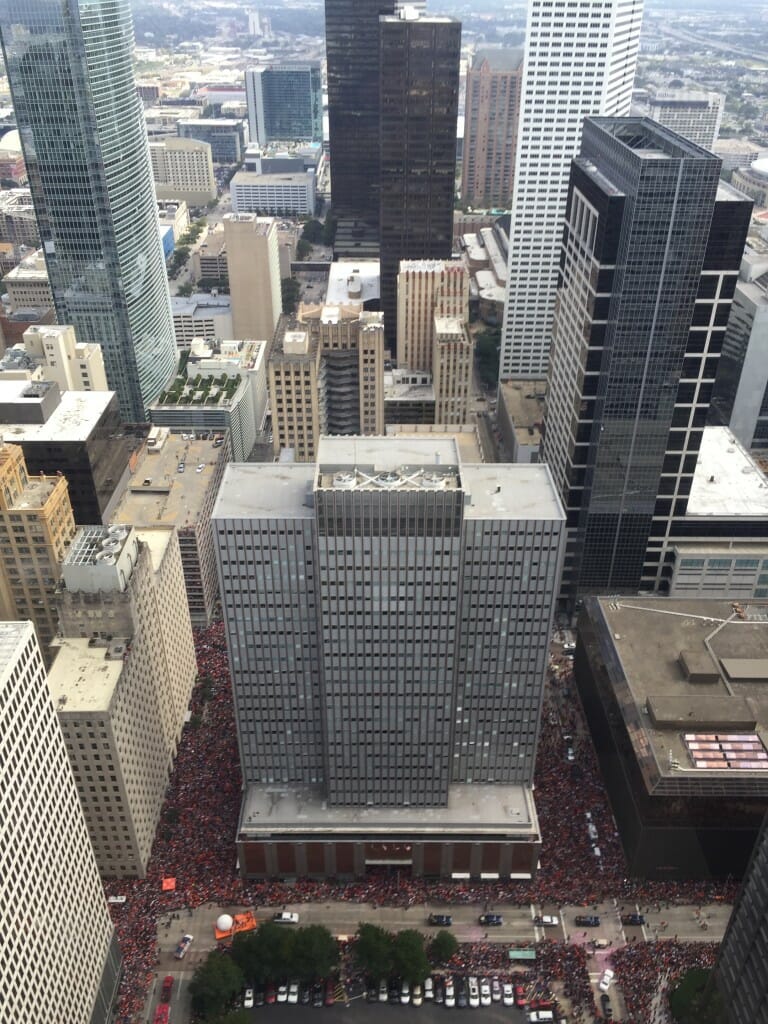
<point x="462" y="999"/>
<point x="439" y="991"/>
<point x="634" y="919"/>
<point x="587" y="920"/>
<point x="270" y="994"/>
<point x="491" y="920"/>
<point x="371" y="992"/>
<point x="258" y="995"/>
<point x="305" y="994"/>
<point x="440" y="920"/>
<point x="605" y="982"/>
<point x="293" y="992"/>
<point x="393" y="995"/>
<point x="450" y="993"/>
<point x="282" y="992"/>
<point x="383" y="990"/>
<point x="508" y="994"/>
<point x="417" y="996"/>
<point x="496" y="990"/>
<point x="485" y="992"/>
<point x="248" y="999"/>
<point x="181" y="950"/>
<point x="547" y="920"/>
<point x="519" y="995"/>
<point x="405" y="993"/>
<point x="285" y="917"/>
<point x="474" y="993"/>
<point x="318" y="993"/>
<point x="429" y="988"/>
<point x="330" y="987"/>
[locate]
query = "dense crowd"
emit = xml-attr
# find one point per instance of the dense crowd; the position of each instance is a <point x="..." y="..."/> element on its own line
<point x="639" y="969"/>
<point x="195" y="846"/>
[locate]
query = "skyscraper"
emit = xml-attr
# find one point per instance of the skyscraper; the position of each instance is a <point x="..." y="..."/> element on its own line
<point x="426" y="289"/>
<point x="696" y="115"/>
<point x="491" y="116"/>
<point x="60" y="956"/>
<point x="388" y="615"/>
<point x="69" y="65"/>
<point x="253" y="264"/>
<point x="419" y="96"/>
<point x="352" y="56"/>
<point x="285" y="102"/>
<point x="650" y="258"/>
<point x="579" y="61"/>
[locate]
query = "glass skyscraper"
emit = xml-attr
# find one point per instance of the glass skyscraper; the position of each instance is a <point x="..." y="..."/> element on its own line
<point x="69" y="64"/>
<point x="285" y="103"/>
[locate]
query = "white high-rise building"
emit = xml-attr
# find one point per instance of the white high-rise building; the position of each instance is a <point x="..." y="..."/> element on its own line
<point x="580" y="61"/>
<point x="59" y="958"/>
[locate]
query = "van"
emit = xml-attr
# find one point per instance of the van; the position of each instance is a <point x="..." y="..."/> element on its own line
<point x="285" y="917"/>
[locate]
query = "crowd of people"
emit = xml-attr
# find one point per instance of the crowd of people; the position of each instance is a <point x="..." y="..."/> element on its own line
<point x="640" y="967"/>
<point x="194" y="846"/>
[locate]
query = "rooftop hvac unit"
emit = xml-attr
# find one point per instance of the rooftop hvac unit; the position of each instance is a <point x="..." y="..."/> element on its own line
<point x="106" y="558"/>
<point x="344" y="481"/>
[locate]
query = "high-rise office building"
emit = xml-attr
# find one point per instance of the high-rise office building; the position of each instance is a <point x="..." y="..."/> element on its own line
<point x="36" y="528"/>
<point x="70" y="70"/>
<point x="742" y="968"/>
<point x="491" y="118"/>
<point x="60" y="954"/>
<point x="183" y="169"/>
<point x="418" y="97"/>
<point x="253" y="261"/>
<point x="388" y="613"/>
<point x="650" y="258"/>
<point x="124" y="667"/>
<point x="285" y="103"/>
<point x="352" y="56"/>
<point x="696" y="115"/>
<point x="452" y="364"/>
<point x="426" y="289"/>
<point x="579" y="61"/>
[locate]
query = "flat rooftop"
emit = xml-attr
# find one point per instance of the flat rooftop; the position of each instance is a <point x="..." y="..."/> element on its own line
<point x="727" y="481"/>
<point x="73" y="419"/>
<point x="198" y="306"/>
<point x="350" y="274"/>
<point x="84" y="676"/>
<point x="466" y="437"/>
<point x="477" y="809"/>
<point x="524" y="402"/>
<point x="262" y="490"/>
<point x="383" y="453"/>
<point x="685" y="667"/>
<point x="511" y="490"/>
<point x="37" y="491"/>
<point x="159" y="493"/>
<point x="12" y="636"/>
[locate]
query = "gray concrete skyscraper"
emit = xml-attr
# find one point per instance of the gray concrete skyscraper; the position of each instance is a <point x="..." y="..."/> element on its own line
<point x="69" y="65"/>
<point x="388" y="612"/>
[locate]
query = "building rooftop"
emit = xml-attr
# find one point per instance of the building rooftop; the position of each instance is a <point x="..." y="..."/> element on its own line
<point x="73" y="419"/>
<point x="511" y="490"/>
<point x="524" y="402"/>
<point x="201" y="305"/>
<point x="12" y="634"/>
<point x="158" y="493"/>
<point x="256" y="491"/>
<point x="499" y="58"/>
<point x="478" y="809"/>
<point x="85" y="674"/>
<point x="246" y="178"/>
<point x="727" y="480"/>
<point x="466" y="437"/>
<point x="353" y="281"/>
<point x="690" y="668"/>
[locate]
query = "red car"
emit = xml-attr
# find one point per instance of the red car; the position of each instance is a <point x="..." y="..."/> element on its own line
<point x="519" y="995"/>
<point x="270" y="994"/>
<point x="165" y="992"/>
<point x="330" y="987"/>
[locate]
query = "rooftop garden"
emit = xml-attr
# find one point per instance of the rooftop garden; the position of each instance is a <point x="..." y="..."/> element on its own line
<point x="200" y="390"/>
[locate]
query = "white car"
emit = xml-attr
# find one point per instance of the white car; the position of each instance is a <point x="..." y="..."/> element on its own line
<point x="496" y="990"/>
<point x="293" y="992"/>
<point x="429" y="988"/>
<point x="508" y="994"/>
<point x="485" y="992"/>
<point x="248" y="999"/>
<point x="405" y="993"/>
<point x="383" y="990"/>
<point x="450" y="993"/>
<point x="605" y="981"/>
<point x="285" y="917"/>
<point x="418" y="995"/>
<point x="282" y="993"/>
<point x="569" y="647"/>
<point x="474" y="993"/>
<point x="181" y="950"/>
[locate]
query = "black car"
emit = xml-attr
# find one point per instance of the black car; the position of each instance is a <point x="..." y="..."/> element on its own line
<point x="305" y="994"/>
<point x="371" y="992"/>
<point x="605" y="1003"/>
<point x="439" y="991"/>
<point x="258" y="995"/>
<point x="636" y="919"/>
<point x="462" y="999"/>
<point x="587" y="920"/>
<point x="318" y="994"/>
<point x="440" y="920"/>
<point x="491" y="920"/>
<point x="394" y="991"/>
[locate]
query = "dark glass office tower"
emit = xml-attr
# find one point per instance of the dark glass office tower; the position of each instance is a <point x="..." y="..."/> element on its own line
<point x="650" y="255"/>
<point x="419" y="95"/>
<point x="352" y="56"/>
<point x="69" y="65"/>
<point x="285" y="102"/>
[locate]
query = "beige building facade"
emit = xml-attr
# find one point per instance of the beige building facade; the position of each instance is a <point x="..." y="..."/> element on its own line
<point x="426" y="289"/>
<point x="125" y="670"/>
<point x="36" y="528"/>
<point x="452" y="370"/>
<point x="293" y="376"/>
<point x="253" y="261"/>
<point x="27" y="285"/>
<point x="183" y="169"/>
<point x="74" y="365"/>
<point x="492" y="113"/>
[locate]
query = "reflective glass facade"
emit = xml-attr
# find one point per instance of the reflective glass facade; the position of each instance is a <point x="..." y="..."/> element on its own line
<point x="419" y="96"/>
<point x="69" y="64"/>
<point x="285" y="102"/>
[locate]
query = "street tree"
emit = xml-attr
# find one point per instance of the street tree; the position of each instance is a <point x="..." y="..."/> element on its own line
<point x="214" y="984"/>
<point x="409" y="957"/>
<point x="373" y="950"/>
<point x="442" y="947"/>
<point x="315" y="952"/>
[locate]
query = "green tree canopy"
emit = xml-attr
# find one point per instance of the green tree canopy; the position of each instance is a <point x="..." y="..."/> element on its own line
<point x="313" y="232"/>
<point x="214" y="984"/>
<point x="442" y="947"/>
<point x="409" y="957"/>
<point x="373" y="950"/>
<point x="315" y="952"/>
<point x="696" y="1000"/>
